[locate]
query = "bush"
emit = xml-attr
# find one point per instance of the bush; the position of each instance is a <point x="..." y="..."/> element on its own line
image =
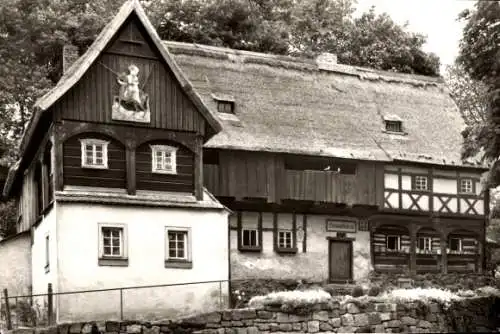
<point x="374" y="291"/>
<point x="357" y="291"/>
<point x="293" y="298"/>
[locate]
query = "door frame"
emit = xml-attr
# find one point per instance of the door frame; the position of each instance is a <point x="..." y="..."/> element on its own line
<point x="345" y="240"/>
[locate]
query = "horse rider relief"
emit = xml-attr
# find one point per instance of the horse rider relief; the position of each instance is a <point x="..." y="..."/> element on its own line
<point x="132" y="104"/>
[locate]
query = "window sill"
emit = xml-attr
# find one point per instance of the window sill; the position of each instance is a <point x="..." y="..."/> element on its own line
<point x="165" y="172"/>
<point x="113" y="262"/>
<point x="256" y="249"/>
<point x="286" y="250"/>
<point x="94" y="167"/>
<point x="180" y="264"/>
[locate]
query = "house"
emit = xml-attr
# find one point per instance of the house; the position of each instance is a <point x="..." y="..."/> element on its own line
<point x="110" y="184"/>
<point x="329" y="172"/>
<point x="332" y="171"/>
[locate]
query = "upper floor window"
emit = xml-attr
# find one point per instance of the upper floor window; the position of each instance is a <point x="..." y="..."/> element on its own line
<point x="420" y="182"/>
<point x="393" y="126"/>
<point x="94" y="153"/>
<point x="226" y="107"/>
<point x="164" y="159"/>
<point x="466" y="186"/>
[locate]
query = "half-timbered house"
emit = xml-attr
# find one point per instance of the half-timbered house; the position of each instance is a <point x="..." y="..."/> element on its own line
<point x="332" y="171"/>
<point x="110" y="183"/>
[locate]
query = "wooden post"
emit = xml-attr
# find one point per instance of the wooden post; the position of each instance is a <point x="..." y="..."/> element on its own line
<point x="50" y="304"/>
<point x="198" y="170"/>
<point x="7" y="309"/>
<point x="58" y="161"/>
<point x="444" y="257"/>
<point x="413" y="253"/>
<point x="131" y="170"/>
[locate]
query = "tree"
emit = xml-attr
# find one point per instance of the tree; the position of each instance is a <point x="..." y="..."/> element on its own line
<point x="8" y="217"/>
<point x="480" y="57"/>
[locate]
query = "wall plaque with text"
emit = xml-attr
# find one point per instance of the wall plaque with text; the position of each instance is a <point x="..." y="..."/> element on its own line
<point x="341" y="226"/>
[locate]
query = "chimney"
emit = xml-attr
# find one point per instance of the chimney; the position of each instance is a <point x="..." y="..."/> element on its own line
<point x="70" y="55"/>
<point x="326" y="61"/>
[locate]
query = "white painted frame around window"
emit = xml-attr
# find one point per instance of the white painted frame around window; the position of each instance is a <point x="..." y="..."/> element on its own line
<point x="94" y="143"/>
<point x="161" y="166"/>
<point x="186" y="231"/>
<point x="427" y="244"/>
<point x="398" y="243"/>
<point x="421" y="183"/>
<point x="466" y="186"/>
<point x="123" y="240"/>
<point x="285" y="239"/>
<point x="250" y="230"/>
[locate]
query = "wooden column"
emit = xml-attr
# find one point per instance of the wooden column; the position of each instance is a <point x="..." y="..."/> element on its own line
<point x="131" y="170"/>
<point x="444" y="257"/>
<point x="413" y="253"/>
<point x="58" y="160"/>
<point x="480" y="260"/>
<point x="198" y="170"/>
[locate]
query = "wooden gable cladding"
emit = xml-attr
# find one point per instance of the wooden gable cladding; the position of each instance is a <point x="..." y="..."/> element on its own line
<point x="112" y="177"/>
<point x="91" y="98"/>
<point x="182" y="181"/>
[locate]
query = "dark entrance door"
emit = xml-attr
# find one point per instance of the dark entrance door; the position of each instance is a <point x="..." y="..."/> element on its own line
<point x="340" y="255"/>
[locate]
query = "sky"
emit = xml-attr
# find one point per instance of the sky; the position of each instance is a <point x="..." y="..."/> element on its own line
<point x="435" y="18"/>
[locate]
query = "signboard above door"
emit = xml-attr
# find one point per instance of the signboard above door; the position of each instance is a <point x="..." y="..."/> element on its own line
<point x="334" y="225"/>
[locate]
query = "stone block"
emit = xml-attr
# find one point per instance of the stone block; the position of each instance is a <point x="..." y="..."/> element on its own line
<point x="361" y="320"/>
<point x="346" y="329"/>
<point x="241" y="331"/>
<point x="225" y="323"/>
<point x="243" y="314"/>
<point x="347" y="319"/>
<point x="237" y="323"/>
<point x="253" y="330"/>
<point x="335" y="322"/>
<point x="285" y="327"/>
<point x="434" y="308"/>
<point x="374" y="318"/>
<point x="265" y="314"/>
<point x="298" y="318"/>
<point x="408" y="321"/>
<point x="334" y="314"/>
<point x="213" y="317"/>
<point x="431" y="317"/>
<point x="393" y="324"/>
<point x="321" y="315"/>
<point x="297" y="326"/>
<point x="228" y="315"/>
<point x="313" y="326"/>
<point x="165" y="329"/>
<point x="87" y="328"/>
<point x="263" y="327"/>
<point x="385" y="316"/>
<point x="134" y="329"/>
<point x="424" y="324"/>
<point x="352" y="308"/>
<point x="76" y="328"/>
<point x="282" y="317"/>
<point x="325" y="326"/>
<point x="382" y="307"/>
<point x="274" y="327"/>
<point x="378" y="329"/>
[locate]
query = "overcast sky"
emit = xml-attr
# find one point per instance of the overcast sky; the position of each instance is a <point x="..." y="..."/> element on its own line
<point x="435" y="18"/>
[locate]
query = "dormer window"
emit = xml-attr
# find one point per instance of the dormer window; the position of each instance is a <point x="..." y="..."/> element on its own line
<point x="94" y="153"/>
<point x="393" y="126"/>
<point x="226" y="107"/>
<point x="164" y="159"/>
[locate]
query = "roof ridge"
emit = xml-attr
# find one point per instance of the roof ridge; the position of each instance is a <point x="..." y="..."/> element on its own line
<point x="364" y="73"/>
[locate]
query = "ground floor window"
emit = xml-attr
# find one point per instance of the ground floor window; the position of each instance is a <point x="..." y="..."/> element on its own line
<point x="249" y="238"/>
<point x="178" y="248"/>
<point x="424" y="244"/>
<point x="393" y="243"/>
<point x="113" y="244"/>
<point x="285" y="239"/>
<point x="456" y="245"/>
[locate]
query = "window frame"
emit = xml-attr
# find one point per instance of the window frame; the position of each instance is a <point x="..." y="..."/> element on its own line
<point x="164" y="149"/>
<point x="394" y="123"/>
<point x="472" y="186"/>
<point x="414" y="182"/>
<point x="113" y="260"/>
<point x="285" y="246"/>
<point x="224" y="105"/>
<point x="460" y="245"/>
<point x="243" y="230"/>
<point x="94" y="143"/>
<point x="175" y="262"/>
<point x="426" y="239"/>
<point x="398" y="237"/>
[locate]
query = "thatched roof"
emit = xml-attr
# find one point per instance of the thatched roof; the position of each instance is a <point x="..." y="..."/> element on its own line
<point x="285" y="104"/>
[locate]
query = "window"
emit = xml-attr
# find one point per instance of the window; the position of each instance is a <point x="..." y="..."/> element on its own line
<point x="393" y="126"/>
<point x="456" y="245"/>
<point x="466" y="186"/>
<point x="393" y="243"/>
<point x="47" y="254"/>
<point x="164" y="159"/>
<point x="249" y="238"/>
<point x="226" y="107"/>
<point x="112" y="245"/>
<point x="285" y="239"/>
<point x="94" y="153"/>
<point x="425" y="244"/>
<point x="420" y="183"/>
<point x="178" y="248"/>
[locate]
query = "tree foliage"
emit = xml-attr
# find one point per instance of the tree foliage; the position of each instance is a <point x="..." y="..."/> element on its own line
<point x="8" y="216"/>
<point x="480" y="58"/>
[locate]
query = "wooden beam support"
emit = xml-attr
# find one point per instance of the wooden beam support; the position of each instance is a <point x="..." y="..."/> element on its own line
<point x="304" y="229"/>
<point x="413" y="253"/>
<point x="131" y="170"/>
<point x="58" y="161"/>
<point x="198" y="170"/>
<point x="444" y="257"/>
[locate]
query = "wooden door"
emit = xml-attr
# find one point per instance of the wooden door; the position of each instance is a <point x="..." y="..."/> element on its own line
<point x="340" y="257"/>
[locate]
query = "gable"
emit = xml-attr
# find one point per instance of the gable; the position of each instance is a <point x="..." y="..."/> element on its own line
<point x="93" y="97"/>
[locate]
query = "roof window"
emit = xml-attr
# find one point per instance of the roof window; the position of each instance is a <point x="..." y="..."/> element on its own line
<point x="225" y="103"/>
<point x="393" y="124"/>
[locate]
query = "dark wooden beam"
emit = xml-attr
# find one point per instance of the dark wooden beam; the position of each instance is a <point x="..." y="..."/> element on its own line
<point x="413" y="254"/>
<point x="198" y="170"/>
<point x="58" y="162"/>
<point x="131" y="170"/>
<point x="304" y="229"/>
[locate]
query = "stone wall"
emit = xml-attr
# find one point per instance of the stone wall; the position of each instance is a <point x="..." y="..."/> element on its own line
<point x="355" y="315"/>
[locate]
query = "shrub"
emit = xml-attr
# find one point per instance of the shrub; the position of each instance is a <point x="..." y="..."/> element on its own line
<point x="293" y="298"/>
<point x="374" y="291"/>
<point x="357" y="291"/>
